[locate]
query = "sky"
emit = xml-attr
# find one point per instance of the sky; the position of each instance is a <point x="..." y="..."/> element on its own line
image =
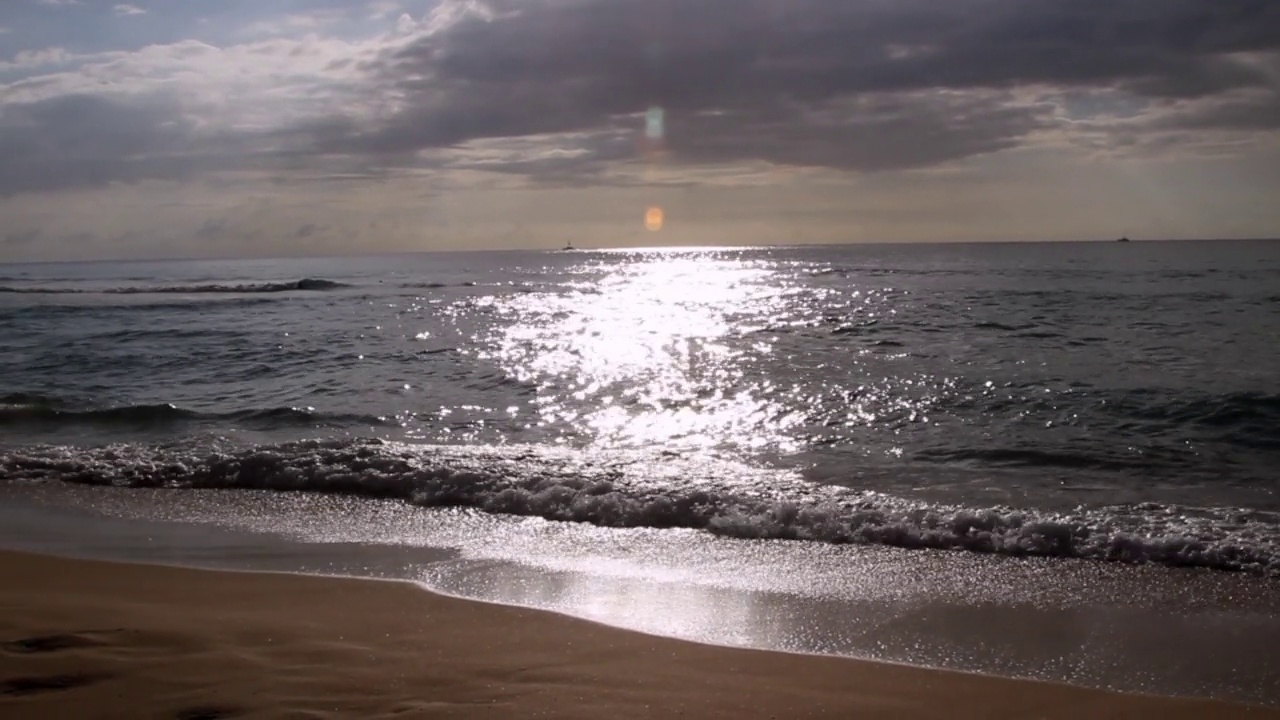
<point x="171" y="128"/>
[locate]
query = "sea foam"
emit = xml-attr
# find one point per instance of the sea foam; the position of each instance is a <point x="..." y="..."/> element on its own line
<point x="641" y="489"/>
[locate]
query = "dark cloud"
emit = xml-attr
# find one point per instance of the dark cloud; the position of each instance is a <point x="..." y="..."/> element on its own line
<point x="870" y="132"/>
<point x="683" y="52"/>
<point x="85" y="140"/>
<point x="851" y="84"/>
<point x="1257" y="113"/>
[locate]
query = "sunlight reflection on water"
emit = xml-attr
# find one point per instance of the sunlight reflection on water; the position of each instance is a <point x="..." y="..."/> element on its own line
<point x="643" y="356"/>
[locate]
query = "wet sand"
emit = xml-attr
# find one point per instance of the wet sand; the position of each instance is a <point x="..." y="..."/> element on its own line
<point x="106" y="640"/>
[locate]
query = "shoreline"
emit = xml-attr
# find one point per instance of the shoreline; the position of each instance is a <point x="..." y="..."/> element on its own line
<point x="1141" y="630"/>
<point x="136" y="640"/>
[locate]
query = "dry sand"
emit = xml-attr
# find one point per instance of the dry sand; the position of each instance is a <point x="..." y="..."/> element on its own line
<point x="89" y="639"/>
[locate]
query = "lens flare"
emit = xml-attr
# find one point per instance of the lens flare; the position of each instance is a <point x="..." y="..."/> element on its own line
<point x="654" y="126"/>
<point x="653" y="219"/>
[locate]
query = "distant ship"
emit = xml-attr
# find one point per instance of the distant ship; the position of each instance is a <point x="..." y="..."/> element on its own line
<point x="1123" y="239"/>
<point x="568" y="247"/>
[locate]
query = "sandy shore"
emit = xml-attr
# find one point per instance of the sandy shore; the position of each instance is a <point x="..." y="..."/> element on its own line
<point x="101" y="640"/>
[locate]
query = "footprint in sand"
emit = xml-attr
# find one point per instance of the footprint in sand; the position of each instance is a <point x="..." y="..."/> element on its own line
<point x="40" y="644"/>
<point x="50" y="643"/>
<point x="31" y="685"/>
<point x="47" y="683"/>
<point x="207" y="713"/>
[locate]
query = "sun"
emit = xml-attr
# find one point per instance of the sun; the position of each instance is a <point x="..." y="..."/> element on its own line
<point x="653" y="218"/>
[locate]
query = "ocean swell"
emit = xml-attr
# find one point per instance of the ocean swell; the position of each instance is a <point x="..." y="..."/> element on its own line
<point x="307" y="284"/>
<point x="633" y="489"/>
<point x="25" y="409"/>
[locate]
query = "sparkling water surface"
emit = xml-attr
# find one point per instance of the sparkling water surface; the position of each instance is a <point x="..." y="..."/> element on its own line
<point x="1112" y="401"/>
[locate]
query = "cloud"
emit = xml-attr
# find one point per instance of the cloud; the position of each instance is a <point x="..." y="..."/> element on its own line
<point x="28" y="59"/>
<point x="84" y="140"/>
<point x="170" y="111"/>
<point x="213" y="230"/>
<point x="291" y="25"/>
<point x="849" y="84"/>
<point x="23" y="238"/>
<point x="124" y="9"/>
<point x="382" y="9"/>
<point x="559" y="90"/>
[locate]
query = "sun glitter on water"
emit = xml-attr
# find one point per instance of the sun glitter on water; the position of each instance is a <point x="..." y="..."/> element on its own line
<point x="653" y="219"/>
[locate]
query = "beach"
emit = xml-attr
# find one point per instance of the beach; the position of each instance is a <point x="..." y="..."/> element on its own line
<point x="112" y="640"/>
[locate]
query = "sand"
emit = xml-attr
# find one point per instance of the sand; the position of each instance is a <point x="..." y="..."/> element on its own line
<point x="87" y="639"/>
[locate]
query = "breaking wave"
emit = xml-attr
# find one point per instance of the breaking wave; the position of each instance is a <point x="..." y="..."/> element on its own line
<point x="634" y="489"/>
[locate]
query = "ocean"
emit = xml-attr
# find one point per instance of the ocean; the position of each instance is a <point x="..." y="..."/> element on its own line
<point x="1083" y="428"/>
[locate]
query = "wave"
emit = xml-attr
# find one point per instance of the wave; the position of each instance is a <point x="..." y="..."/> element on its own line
<point x="1242" y="419"/>
<point x="305" y="284"/>
<point x="27" y="409"/>
<point x="437" y="285"/>
<point x="1025" y="457"/>
<point x="1002" y="326"/>
<point x="58" y="311"/>
<point x="23" y="398"/>
<point x="1242" y="415"/>
<point x="622" y="489"/>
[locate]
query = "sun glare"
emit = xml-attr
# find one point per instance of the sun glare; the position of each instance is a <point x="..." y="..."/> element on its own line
<point x="644" y="358"/>
<point x="653" y="219"/>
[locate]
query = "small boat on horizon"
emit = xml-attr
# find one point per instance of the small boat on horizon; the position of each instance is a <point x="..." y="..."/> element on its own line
<point x="569" y="247"/>
<point x="1123" y="239"/>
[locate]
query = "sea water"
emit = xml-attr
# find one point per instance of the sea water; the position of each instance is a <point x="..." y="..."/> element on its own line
<point x="1108" y="406"/>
